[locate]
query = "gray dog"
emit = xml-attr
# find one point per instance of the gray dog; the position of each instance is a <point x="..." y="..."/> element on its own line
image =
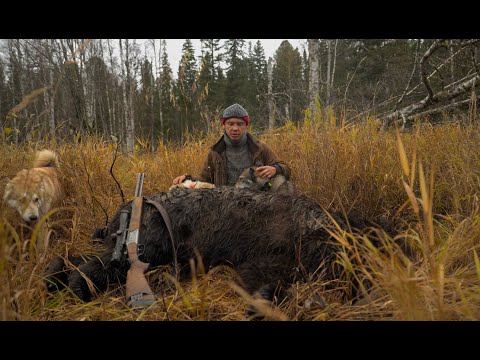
<point x="249" y="179"/>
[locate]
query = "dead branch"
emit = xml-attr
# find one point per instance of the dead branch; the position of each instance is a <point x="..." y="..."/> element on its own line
<point x="474" y="61"/>
<point x="437" y="44"/>
<point x="448" y="92"/>
<point x="446" y="107"/>
<point x="412" y="110"/>
<point x="437" y="69"/>
<point x="117" y="143"/>
<point x="27" y="99"/>
<point x="411" y="76"/>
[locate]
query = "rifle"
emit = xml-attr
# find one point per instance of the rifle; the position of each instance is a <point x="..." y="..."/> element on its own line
<point x="138" y="292"/>
<point x="119" y="252"/>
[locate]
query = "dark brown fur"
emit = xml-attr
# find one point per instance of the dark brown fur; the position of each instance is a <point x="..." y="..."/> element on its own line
<point x="268" y="238"/>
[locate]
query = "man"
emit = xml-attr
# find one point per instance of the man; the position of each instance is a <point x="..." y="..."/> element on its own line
<point x="235" y="151"/>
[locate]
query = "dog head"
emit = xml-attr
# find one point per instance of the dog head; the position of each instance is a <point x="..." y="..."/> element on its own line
<point x="26" y="193"/>
<point x="249" y="180"/>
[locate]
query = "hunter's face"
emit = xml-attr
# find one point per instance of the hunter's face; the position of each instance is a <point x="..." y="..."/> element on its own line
<point x="235" y="128"/>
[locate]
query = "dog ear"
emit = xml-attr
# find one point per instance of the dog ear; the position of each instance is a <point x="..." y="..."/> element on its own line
<point x="252" y="171"/>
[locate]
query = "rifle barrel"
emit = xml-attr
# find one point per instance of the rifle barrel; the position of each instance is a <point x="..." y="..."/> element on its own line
<point x="139" y="186"/>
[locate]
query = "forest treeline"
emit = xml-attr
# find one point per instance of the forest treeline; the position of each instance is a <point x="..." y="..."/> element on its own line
<point x="123" y="90"/>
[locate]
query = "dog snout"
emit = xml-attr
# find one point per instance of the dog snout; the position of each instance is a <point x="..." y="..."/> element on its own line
<point x="32" y="218"/>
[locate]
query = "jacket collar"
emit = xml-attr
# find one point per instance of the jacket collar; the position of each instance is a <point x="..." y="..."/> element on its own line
<point x="252" y="142"/>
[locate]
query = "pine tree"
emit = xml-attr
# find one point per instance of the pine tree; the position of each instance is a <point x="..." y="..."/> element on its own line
<point x="186" y="91"/>
<point x="258" y="100"/>
<point x="166" y="97"/>
<point x="4" y="93"/>
<point x="236" y="70"/>
<point x="212" y="47"/>
<point x="288" y="82"/>
<point x="206" y="89"/>
<point x="260" y="68"/>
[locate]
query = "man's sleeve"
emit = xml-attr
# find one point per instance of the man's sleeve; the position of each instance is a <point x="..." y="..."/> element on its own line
<point x="206" y="173"/>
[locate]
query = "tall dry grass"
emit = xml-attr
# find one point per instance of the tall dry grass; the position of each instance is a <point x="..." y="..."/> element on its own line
<point x="425" y="183"/>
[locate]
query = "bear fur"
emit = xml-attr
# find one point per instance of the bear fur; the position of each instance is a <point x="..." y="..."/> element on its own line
<point x="270" y="239"/>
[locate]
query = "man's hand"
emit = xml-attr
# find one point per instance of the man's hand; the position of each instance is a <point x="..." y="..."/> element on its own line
<point x="179" y="179"/>
<point x="266" y="172"/>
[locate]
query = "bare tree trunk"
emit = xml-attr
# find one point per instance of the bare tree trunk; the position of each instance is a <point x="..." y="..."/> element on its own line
<point x="131" y="75"/>
<point x="87" y="90"/>
<point x="271" y="105"/>
<point x="329" y="66"/>
<point x="103" y="104"/>
<point x="151" y="93"/>
<point x="131" y="107"/>
<point x="16" y="63"/>
<point x="314" y="78"/>
<point x="49" y="98"/>
<point x="111" y="97"/>
<point x="331" y="69"/>
<point x="452" y="65"/>
<point x="152" y="113"/>
<point x="51" y="107"/>
<point x="125" y="64"/>
<point x="160" y="88"/>
<point x="108" y="125"/>
<point x="158" y="68"/>
<point x="124" y="94"/>
<point x="334" y="61"/>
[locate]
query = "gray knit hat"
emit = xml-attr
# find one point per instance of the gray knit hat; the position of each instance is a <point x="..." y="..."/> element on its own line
<point x="235" y="111"/>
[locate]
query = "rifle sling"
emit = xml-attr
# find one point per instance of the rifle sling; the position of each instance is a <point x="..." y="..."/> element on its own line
<point x="161" y="209"/>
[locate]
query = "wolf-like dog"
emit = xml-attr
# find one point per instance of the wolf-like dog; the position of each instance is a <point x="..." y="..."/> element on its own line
<point x="35" y="191"/>
<point x="249" y="179"/>
<point x="269" y="238"/>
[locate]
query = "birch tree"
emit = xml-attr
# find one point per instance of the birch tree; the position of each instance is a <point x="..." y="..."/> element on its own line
<point x="129" y="125"/>
<point x="49" y="95"/>
<point x="157" y="61"/>
<point x="313" y="76"/>
<point x="331" y="65"/>
<point x="271" y="104"/>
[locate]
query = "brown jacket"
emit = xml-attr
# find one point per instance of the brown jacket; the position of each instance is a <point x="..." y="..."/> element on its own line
<point x="214" y="168"/>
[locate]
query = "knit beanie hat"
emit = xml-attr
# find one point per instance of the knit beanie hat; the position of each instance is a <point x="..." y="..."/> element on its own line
<point x="235" y="111"/>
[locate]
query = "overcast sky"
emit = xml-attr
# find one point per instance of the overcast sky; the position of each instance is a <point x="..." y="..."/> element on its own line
<point x="174" y="48"/>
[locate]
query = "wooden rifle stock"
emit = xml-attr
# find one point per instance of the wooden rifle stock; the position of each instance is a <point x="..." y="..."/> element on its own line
<point x="138" y="291"/>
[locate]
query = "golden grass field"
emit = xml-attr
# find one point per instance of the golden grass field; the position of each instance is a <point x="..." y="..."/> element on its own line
<point x="426" y="181"/>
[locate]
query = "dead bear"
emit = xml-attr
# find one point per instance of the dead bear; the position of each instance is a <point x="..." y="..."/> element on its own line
<point x="266" y="237"/>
